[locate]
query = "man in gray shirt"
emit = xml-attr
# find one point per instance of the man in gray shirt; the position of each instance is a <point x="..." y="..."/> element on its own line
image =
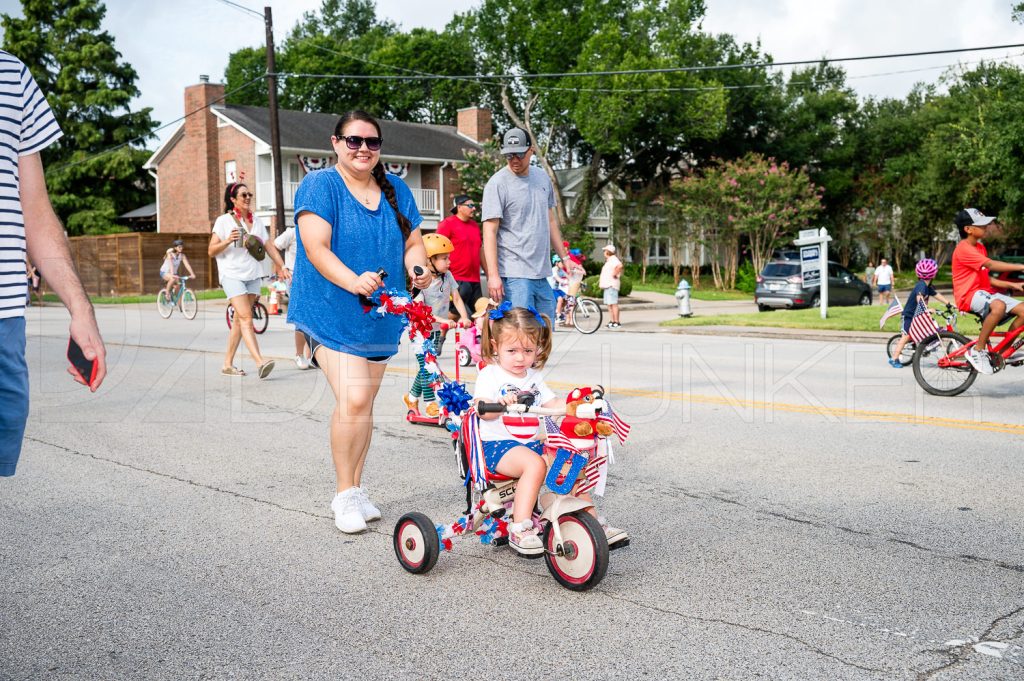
<point x="520" y="229"/>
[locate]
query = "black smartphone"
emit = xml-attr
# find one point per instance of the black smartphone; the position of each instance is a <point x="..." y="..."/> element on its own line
<point x="85" y="368"/>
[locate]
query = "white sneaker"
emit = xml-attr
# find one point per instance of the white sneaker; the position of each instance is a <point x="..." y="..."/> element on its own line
<point x="613" y="534"/>
<point x="523" y="539"/>
<point x="347" y="516"/>
<point x="301" y="362"/>
<point x="979" y="360"/>
<point x="366" y="507"/>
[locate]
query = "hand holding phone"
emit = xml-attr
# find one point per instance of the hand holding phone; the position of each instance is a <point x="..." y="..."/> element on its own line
<point x="84" y="370"/>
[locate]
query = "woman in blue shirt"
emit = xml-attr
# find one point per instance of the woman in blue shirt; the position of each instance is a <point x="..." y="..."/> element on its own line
<point x="353" y="220"/>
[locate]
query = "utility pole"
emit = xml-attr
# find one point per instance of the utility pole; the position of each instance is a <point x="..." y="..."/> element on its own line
<point x="275" y="130"/>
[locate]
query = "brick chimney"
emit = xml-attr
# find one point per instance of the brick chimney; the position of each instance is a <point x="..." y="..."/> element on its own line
<point x="474" y="122"/>
<point x="201" y="149"/>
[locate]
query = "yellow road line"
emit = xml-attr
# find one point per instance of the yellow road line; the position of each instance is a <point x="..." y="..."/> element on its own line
<point x="836" y="412"/>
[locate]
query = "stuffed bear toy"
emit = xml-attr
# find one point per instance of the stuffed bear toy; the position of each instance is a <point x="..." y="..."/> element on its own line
<point x="580" y="400"/>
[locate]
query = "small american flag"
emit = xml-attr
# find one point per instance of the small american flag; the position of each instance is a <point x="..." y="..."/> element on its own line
<point x="922" y="326"/>
<point x="895" y="308"/>
<point x="620" y="427"/>
<point x="555" y="438"/>
<point x="591" y="475"/>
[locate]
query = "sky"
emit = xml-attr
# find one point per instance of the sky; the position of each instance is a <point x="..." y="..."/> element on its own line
<point x="171" y="44"/>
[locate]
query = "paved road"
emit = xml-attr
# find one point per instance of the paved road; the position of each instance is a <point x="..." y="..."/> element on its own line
<point x="799" y="510"/>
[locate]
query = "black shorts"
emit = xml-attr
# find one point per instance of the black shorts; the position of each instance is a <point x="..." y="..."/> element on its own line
<point x="470" y="292"/>
<point x="314" y="344"/>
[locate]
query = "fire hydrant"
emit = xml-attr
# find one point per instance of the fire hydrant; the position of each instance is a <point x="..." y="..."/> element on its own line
<point x="683" y="296"/>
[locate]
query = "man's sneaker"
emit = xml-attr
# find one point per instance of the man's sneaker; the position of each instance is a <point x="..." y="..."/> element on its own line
<point x="979" y="360"/>
<point x="895" y="364"/>
<point x="410" y="403"/>
<point x="347" y="516"/>
<point x="433" y="410"/>
<point x="366" y="507"/>
<point x="302" y="362"/>
<point x="523" y="539"/>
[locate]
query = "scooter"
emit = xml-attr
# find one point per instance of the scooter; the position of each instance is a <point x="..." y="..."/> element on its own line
<point x="575" y="546"/>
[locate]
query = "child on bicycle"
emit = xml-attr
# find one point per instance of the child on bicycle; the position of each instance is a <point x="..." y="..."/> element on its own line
<point x="516" y="343"/>
<point x="174" y="258"/>
<point x="926" y="270"/>
<point x="442" y="292"/>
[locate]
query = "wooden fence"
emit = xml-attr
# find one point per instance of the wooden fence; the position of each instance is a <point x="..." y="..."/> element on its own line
<point x="129" y="264"/>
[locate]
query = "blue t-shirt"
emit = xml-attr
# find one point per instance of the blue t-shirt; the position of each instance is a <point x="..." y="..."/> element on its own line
<point x="365" y="240"/>
<point x="922" y="289"/>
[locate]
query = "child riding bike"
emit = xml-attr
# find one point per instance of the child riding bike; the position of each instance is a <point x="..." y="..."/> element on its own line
<point x="517" y="342"/>
<point x="973" y="289"/>
<point x="442" y="291"/>
<point x="926" y="270"/>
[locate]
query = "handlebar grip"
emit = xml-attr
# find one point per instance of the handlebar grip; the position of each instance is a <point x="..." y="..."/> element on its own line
<point x="490" y="407"/>
<point x="364" y="300"/>
<point x="417" y="270"/>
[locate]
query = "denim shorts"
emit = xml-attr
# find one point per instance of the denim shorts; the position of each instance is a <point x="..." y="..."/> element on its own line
<point x="13" y="392"/>
<point x="494" y="450"/>
<point x="882" y="288"/>
<point x="611" y="296"/>
<point x="237" y="287"/>
<point x="526" y="292"/>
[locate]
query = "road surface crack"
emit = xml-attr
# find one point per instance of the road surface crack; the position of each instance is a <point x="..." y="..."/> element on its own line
<point x="958" y="653"/>
<point x="760" y="630"/>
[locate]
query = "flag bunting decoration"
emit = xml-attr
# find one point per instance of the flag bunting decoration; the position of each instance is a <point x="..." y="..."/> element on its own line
<point x="922" y="326"/>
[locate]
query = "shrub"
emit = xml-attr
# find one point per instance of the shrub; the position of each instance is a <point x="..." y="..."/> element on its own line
<point x="594" y="291"/>
<point x="746" y="277"/>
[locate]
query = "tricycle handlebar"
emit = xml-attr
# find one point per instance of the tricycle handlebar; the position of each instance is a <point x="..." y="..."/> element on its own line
<point x="499" y="408"/>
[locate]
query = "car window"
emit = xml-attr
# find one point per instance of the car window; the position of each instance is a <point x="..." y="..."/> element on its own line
<point x="780" y="269"/>
<point x="833" y="270"/>
<point x="843" y="272"/>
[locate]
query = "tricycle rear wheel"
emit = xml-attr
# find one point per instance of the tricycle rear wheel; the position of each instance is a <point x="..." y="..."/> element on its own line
<point x="416" y="544"/>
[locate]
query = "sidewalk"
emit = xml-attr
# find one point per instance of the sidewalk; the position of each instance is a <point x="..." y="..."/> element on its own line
<point x="643" y="312"/>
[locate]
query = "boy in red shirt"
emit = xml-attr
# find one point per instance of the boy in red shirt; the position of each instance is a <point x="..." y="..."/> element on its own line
<point x="464" y="233"/>
<point x="974" y="291"/>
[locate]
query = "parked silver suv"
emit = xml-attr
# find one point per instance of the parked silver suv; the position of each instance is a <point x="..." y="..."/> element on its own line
<point x="780" y="286"/>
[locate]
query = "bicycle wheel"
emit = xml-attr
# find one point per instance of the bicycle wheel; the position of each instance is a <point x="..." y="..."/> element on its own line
<point x="586" y="316"/>
<point x="188" y="305"/>
<point x="229" y="314"/>
<point x="260" y="318"/>
<point x="163" y="304"/>
<point x="907" y="355"/>
<point x="940" y="366"/>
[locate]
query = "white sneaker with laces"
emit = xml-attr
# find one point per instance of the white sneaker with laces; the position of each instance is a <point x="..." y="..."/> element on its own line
<point x="301" y="362"/>
<point x="613" y="534"/>
<point x="366" y="507"/>
<point x="347" y="515"/>
<point x="979" y="360"/>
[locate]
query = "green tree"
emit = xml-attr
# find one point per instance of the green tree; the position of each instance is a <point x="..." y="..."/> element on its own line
<point x="90" y="90"/>
<point x="478" y="169"/>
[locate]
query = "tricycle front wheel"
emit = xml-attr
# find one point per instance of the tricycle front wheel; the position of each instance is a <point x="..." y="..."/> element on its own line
<point x="584" y="559"/>
<point x="416" y="544"/>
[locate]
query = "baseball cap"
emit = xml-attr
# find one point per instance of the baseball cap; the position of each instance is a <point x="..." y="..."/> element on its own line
<point x="459" y="199"/>
<point x="972" y="216"/>
<point x="515" y="140"/>
<point x="609" y="247"/>
<point x="177" y="242"/>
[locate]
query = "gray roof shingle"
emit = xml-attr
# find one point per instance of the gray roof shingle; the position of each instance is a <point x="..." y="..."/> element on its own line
<point x="312" y="131"/>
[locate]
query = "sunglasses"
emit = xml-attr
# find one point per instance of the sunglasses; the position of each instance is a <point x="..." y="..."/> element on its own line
<point x="244" y="195"/>
<point x="468" y="205"/>
<point x="515" y="154"/>
<point x="355" y="141"/>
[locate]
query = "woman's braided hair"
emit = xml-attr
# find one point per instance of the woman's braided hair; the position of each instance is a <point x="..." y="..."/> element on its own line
<point x="378" y="170"/>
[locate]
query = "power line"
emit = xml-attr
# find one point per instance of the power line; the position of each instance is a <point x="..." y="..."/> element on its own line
<point x="153" y="132"/>
<point x="243" y="8"/>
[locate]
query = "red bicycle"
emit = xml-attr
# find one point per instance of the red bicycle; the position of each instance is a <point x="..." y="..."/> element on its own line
<point x="941" y="366"/>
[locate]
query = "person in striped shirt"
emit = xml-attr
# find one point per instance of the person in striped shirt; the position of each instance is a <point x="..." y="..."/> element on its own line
<point x="27" y="126"/>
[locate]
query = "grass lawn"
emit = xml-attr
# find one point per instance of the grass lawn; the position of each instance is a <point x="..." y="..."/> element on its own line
<point x="856" y="318"/>
<point x="697" y="294"/>
<point x="212" y="294"/>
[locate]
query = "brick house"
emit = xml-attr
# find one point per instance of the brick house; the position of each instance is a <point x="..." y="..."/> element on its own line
<point x="225" y="143"/>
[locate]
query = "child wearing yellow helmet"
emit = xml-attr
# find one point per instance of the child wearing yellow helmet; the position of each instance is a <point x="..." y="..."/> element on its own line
<point x="442" y="291"/>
